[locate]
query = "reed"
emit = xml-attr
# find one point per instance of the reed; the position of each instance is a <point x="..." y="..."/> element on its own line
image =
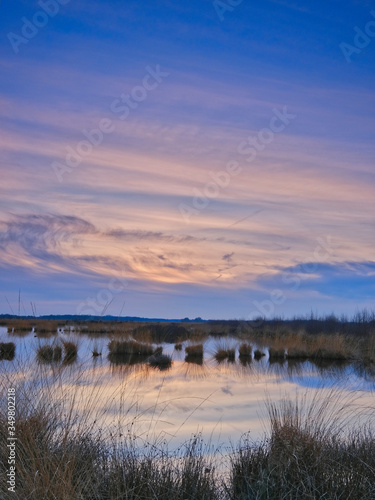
<point x="19" y="325"/>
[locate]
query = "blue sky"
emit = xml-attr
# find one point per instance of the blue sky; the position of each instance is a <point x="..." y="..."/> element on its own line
<point x="166" y="159"/>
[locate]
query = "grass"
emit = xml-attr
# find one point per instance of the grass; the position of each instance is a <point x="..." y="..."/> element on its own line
<point x="258" y="354"/>
<point x="70" y="351"/>
<point x="7" y="351"/>
<point x="245" y="350"/>
<point x="161" y="332"/>
<point x="160" y="361"/>
<point x="49" y="353"/>
<point x="276" y="354"/>
<point x="130" y="347"/>
<point x="305" y="455"/>
<point x="222" y="354"/>
<point x="194" y="353"/>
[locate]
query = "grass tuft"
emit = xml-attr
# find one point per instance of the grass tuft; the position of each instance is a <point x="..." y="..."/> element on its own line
<point x="130" y="347"/>
<point x="70" y="351"/>
<point x="258" y="354"/>
<point x="7" y="351"/>
<point x="194" y="353"/>
<point x="49" y="353"/>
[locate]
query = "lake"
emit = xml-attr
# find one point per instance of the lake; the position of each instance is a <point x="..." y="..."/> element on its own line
<point x="223" y="400"/>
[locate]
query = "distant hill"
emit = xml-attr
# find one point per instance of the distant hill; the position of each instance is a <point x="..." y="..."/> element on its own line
<point x="76" y="317"/>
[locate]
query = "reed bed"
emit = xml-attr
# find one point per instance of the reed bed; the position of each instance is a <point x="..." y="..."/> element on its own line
<point x="19" y="325"/>
<point x="44" y="326"/>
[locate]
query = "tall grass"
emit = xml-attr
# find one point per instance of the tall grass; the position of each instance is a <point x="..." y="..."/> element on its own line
<point x="63" y="455"/>
<point x="306" y="456"/>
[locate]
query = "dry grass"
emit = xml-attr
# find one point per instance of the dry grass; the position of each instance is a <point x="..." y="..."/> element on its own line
<point x="245" y="350"/>
<point x="306" y="457"/>
<point x="130" y="347"/>
<point x="221" y="354"/>
<point x="194" y="353"/>
<point x="19" y="325"/>
<point x="276" y="354"/>
<point x="368" y="350"/>
<point x="334" y="347"/>
<point x="44" y="326"/>
<point x="63" y="457"/>
<point x="70" y="351"/>
<point x="258" y="354"/>
<point x="7" y="351"/>
<point x="160" y="361"/>
<point x="49" y="353"/>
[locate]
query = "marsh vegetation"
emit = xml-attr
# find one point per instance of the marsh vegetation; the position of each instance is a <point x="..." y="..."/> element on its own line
<point x="68" y="449"/>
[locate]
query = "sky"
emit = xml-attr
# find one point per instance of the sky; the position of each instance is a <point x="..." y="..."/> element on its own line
<point x="208" y="159"/>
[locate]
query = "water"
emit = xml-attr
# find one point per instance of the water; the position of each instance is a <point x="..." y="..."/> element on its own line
<point x="223" y="401"/>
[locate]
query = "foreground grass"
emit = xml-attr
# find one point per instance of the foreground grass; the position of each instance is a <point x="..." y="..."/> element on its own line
<point x="62" y="455"/>
<point x="305" y="457"/>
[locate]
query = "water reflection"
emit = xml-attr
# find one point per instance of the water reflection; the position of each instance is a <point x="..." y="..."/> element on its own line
<point x="225" y="398"/>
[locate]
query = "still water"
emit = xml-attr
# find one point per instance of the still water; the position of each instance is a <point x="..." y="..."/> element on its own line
<point x="223" y="401"/>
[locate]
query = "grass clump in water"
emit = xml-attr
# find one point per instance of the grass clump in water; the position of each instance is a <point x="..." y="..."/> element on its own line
<point x="245" y="350"/>
<point x="194" y="353"/>
<point x="258" y="354"/>
<point x="70" y="351"/>
<point x="160" y="361"/>
<point x="276" y="354"/>
<point x="7" y="351"/>
<point x="130" y="347"/>
<point x="49" y="353"/>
